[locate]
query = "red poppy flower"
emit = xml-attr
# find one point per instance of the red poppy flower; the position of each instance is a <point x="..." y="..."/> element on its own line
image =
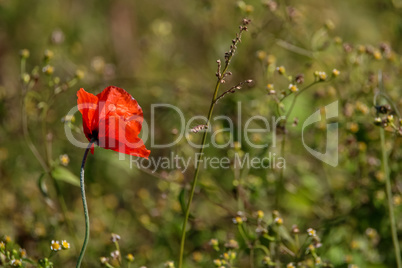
<point x="113" y="120"/>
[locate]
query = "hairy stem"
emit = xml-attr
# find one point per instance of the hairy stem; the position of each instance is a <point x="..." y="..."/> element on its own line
<point x="84" y="203"/>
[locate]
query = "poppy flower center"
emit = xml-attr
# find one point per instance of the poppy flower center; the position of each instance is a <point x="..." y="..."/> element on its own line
<point x="94" y="135"/>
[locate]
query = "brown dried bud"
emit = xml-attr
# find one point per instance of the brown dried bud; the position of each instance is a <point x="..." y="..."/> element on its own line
<point x="347" y="47"/>
<point x="383" y="109"/>
<point x="246" y="21"/>
<point x="299" y="78"/>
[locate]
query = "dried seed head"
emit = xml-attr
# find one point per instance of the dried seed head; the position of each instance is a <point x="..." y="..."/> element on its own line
<point x="347" y="47"/>
<point x="246" y="21"/>
<point x="383" y="109"/>
<point x="295" y="229"/>
<point x="299" y="78"/>
<point x="114" y="237"/>
<point x="115" y="254"/>
<point x="198" y="128"/>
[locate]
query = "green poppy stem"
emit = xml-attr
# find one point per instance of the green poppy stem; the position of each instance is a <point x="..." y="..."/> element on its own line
<point x="84" y="203"/>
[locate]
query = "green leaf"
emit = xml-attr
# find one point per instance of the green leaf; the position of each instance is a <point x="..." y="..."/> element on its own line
<point x="63" y="174"/>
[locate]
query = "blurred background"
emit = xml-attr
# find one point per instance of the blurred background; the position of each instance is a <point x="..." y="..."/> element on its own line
<point x="166" y="52"/>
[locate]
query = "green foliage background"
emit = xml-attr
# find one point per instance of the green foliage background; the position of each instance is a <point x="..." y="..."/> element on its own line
<point x="166" y="52"/>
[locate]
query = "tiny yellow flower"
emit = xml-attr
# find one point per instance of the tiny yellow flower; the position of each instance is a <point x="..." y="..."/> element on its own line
<point x="237" y="145"/>
<point x="7" y="239"/>
<point x="354" y="244"/>
<point x="48" y="69"/>
<point x="217" y="262"/>
<point x="65" y="244"/>
<point x="55" y="245"/>
<point x="64" y="159"/>
<point x="103" y="260"/>
<point x="2" y="246"/>
<point x="362" y="146"/>
<point x="281" y="69"/>
<point x="23" y="253"/>
<point x="130" y="257"/>
<point x="321" y="76"/>
<point x="338" y="40"/>
<point x="318" y="260"/>
<point x="353" y="127"/>
<point x="293" y="88"/>
<point x="290" y="265"/>
<point x="270" y="86"/>
<point x="371" y="233"/>
<point x="377" y="55"/>
<point x="233" y="255"/>
<point x="79" y="74"/>
<point x="335" y="72"/>
<point x="197" y="256"/>
<point x="311" y="232"/>
<point x="397" y="200"/>
<point x="16" y="263"/>
<point x="266" y="260"/>
<point x="362" y="107"/>
<point x="261" y="54"/>
<point x="260" y="214"/>
<point x="361" y="49"/>
<point x="249" y="8"/>
<point x="169" y="264"/>
<point x="48" y="54"/>
<point x="271" y="59"/>
<point x="226" y="256"/>
<point x="278" y="220"/>
<point x="377" y="121"/>
<point x="213" y="242"/>
<point x="238" y="220"/>
<point x="24" y="53"/>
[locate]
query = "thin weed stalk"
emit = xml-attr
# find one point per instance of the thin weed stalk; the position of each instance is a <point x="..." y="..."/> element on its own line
<point x="221" y="74"/>
<point x="389" y="199"/>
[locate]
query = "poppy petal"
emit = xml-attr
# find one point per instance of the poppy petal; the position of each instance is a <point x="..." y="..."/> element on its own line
<point x="116" y="101"/>
<point x="87" y="104"/>
<point x="116" y="135"/>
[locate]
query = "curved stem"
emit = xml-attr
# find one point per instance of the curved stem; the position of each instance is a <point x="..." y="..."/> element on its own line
<point x="84" y="203"/>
